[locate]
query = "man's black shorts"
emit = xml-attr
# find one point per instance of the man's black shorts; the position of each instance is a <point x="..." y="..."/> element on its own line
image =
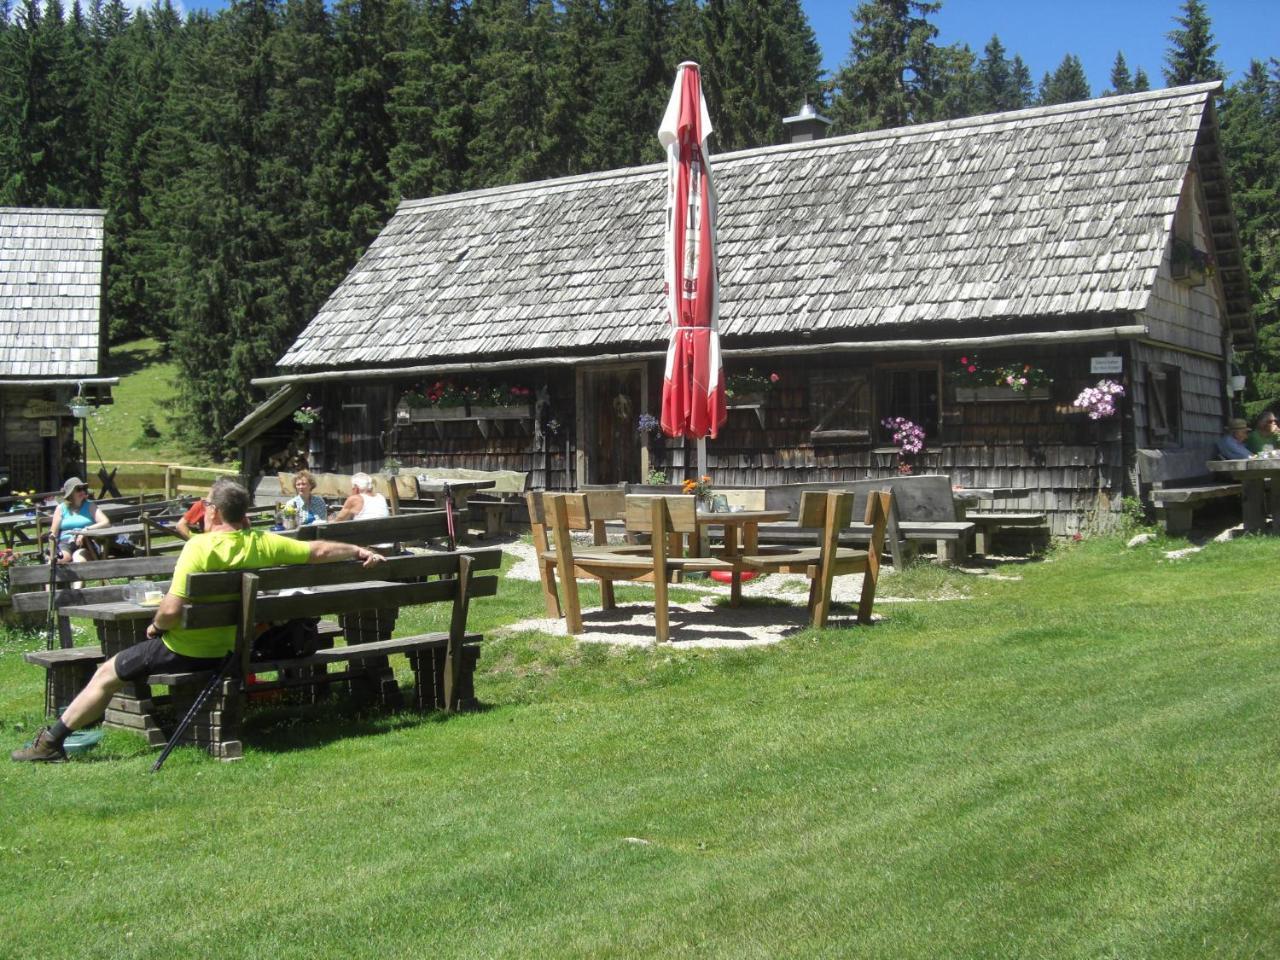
<point x="152" y="656"/>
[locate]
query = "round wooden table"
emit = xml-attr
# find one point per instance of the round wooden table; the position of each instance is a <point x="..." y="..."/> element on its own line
<point x="746" y="522"/>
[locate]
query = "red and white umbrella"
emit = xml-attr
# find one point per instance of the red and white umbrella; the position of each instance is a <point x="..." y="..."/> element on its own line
<point x="693" y="403"/>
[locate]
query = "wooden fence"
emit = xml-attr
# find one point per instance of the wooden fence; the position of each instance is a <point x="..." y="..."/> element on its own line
<point x="171" y="479"/>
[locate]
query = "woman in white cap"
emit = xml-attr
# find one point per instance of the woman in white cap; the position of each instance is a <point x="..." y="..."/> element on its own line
<point x="76" y="512"/>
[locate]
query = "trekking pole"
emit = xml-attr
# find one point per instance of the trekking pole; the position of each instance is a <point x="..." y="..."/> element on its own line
<point x="448" y="518"/>
<point x="199" y="702"/>
<point x="52" y="622"/>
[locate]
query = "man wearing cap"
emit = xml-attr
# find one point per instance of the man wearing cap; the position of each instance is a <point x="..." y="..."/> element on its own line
<point x="1265" y="433"/>
<point x="1231" y="445"/>
<point x="170" y="648"/>
<point x="76" y="512"/>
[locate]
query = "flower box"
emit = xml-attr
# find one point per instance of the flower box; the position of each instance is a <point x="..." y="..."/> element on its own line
<point x="1188" y="273"/>
<point x="744" y="401"/>
<point x="518" y="412"/>
<point x="428" y="414"/>
<point x="999" y="394"/>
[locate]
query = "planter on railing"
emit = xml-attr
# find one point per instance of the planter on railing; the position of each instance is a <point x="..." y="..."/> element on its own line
<point x="521" y="412"/>
<point x="428" y="414"/>
<point x="999" y="394"/>
<point x="747" y="401"/>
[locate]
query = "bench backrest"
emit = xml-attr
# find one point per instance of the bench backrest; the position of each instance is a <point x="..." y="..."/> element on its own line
<point x="349" y="587"/>
<point x="28" y="583"/>
<point x="927" y="497"/>
<point x="675" y="514"/>
<point x="427" y="525"/>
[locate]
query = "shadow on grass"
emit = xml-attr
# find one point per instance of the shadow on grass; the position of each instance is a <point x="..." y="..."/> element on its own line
<point x="130" y="358"/>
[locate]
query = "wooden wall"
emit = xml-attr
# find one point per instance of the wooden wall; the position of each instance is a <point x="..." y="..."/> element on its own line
<point x="32" y="461"/>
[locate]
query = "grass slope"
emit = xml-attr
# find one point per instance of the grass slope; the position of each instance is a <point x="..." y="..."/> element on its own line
<point x="146" y="391"/>
<point x="1080" y="763"/>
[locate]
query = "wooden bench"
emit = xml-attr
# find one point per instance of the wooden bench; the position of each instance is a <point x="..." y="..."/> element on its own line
<point x="988" y="523"/>
<point x="368" y="601"/>
<point x="1176" y="506"/>
<point x="923" y="511"/>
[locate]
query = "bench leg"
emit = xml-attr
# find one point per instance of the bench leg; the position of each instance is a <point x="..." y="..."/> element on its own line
<point x="62" y="682"/>
<point x="981" y="541"/>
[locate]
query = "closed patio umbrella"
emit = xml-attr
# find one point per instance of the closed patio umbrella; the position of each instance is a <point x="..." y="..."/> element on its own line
<point x="693" y="402"/>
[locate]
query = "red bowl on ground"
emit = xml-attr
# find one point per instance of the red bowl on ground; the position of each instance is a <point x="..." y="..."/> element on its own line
<point x="724" y="576"/>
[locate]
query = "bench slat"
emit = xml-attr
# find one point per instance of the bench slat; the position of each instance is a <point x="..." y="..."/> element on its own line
<point x="49" y="658"/>
<point x="38" y="575"/>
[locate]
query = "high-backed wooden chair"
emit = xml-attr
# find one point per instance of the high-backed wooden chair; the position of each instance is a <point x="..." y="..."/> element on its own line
<point x="553" y="519"/>
<point x="829" y="513"/>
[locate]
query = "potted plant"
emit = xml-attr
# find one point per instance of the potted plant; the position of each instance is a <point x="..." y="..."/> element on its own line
<point x="748" y="390"/>
<point x="289" y="517"/>
<point x="79" y="405"/>
<point x="306" y="416"/>
<point x="908" y="438"/>
<point x="1188" y="263"/>
<point x="391" y="466"/>
<point x="501" y="402"/>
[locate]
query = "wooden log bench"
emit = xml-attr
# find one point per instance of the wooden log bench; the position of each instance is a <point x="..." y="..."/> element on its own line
<point x="496" y="515"/>
<point x="1176" y="506"/>
<point x="988" y="523"/>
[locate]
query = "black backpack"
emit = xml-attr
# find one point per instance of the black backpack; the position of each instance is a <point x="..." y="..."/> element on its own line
<point x="287" y="641"/>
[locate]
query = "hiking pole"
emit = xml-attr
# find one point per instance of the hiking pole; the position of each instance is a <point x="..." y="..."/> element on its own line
<point x="196" y="705"/>
<point x="52" y="622"/>
<point x="448" y="517"/>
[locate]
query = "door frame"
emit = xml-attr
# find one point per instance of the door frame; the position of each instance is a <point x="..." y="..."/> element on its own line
<point x="583" y="462"/>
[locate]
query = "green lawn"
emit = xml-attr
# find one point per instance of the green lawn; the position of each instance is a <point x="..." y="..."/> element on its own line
<point x="145" y="394"/>
<point x="1079" y="763"/>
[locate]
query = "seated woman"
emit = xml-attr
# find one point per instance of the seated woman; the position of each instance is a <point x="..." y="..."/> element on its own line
<point x="1266" y="433"/>
<point x="309" y="504"/>
<point x="363" y="503"/>
<point x="76" y="512"/>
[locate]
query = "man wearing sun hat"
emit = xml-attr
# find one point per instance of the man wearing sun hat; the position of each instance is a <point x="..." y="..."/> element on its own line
<point x="1231" y="445"/>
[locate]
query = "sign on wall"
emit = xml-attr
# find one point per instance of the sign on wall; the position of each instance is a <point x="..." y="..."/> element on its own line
<point x="1106" y="364"/>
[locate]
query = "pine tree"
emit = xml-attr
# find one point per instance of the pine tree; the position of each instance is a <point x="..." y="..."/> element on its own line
<point x="430" y="107"/>
<point x="30" y="111"/>
<point x="959" y="83"/>
<point x="1250" y="122"/>
<point x="891" y="76"/>
<point x="1121" y="80"/>
<point x="1190" y="58"/>
<point x="1140" y="82"/>
<point x="1024" y="88"/>
<point x="996" y="89"/>
<point x="1068" y="83"/>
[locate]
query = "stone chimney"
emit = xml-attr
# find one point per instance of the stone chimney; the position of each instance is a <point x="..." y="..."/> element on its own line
<point x="806" y="125"/>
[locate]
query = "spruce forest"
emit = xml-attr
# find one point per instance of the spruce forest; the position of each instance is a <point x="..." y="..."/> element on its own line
<point x="246" y="158"/>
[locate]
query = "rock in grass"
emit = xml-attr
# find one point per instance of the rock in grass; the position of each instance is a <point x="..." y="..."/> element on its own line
<point x="1140" y="539"/>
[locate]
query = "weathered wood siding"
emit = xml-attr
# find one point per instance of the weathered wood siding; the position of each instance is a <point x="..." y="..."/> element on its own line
<point x="21" y="448"/>
<point x="1203" y="410"/>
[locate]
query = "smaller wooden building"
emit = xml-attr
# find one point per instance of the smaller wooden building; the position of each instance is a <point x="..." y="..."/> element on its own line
<point x="862" y="278"/>
<point x="52" y="339"/>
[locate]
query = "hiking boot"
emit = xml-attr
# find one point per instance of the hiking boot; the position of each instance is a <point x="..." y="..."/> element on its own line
<point x="43" y="750"/>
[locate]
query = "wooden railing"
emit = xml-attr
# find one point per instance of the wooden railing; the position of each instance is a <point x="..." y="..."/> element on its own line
<point x="172" y="479"/>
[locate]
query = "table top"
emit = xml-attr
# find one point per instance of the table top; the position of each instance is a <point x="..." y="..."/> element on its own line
<point x="973" y="494"/>
<point x="455" y="486"/>
<point x="742" y="517"/>
<point x="1244" y="466"/>
<point x="17" y="519"/>
<point x="110" y="532"/>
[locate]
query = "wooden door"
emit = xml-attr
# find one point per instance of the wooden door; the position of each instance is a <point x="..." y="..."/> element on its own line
<point x="612" y="401"/>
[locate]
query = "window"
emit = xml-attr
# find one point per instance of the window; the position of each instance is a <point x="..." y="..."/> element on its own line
<point x="841" y="406"/>
<point x="1164" y="406"/>
<point x="910" y="391"/>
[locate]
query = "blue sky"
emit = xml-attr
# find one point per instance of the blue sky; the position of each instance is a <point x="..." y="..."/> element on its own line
<point x="1043" y="32"/>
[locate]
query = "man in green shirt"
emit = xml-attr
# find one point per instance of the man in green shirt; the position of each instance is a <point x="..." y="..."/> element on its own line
<point x="168" y="648"/>
<point x="1265" y="432"/>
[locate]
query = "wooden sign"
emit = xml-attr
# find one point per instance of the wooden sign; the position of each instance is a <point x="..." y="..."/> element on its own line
<point x="48" y="428"/>
<point x="39" y="409"/>
<point x="1106" y="364"/>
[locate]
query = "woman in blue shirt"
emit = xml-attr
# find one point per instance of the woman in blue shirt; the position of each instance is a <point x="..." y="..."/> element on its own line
<point x="310" y="505"/>
<point x="75" y="513"/>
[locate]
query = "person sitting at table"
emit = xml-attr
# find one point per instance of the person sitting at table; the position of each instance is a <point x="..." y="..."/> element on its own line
<point x="363" y="503"/>
<point x="1231" y="445"/>
<point x="192" y="521"/>
<point x="170" y="648"/>
<point x="1266" y="432"/>
<point x="76" y="512"/>
<point x="309" y="504"/>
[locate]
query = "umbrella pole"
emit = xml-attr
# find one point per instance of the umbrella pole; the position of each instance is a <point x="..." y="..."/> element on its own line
<point x="702" y="457"/>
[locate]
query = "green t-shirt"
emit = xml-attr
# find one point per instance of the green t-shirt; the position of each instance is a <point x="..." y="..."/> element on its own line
<point x="225" y="550"/>
<point x="1257" y="441"/>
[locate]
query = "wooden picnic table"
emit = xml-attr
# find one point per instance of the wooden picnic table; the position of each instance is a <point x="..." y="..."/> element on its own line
<point x="121" y="624"/>
<point x="745" y="523"/>
<point x="14" y="526"/>
<point x="1253" y="476"/>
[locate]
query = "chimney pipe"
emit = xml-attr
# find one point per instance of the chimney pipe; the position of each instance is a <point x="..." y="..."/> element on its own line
<point x="806" y="125"/>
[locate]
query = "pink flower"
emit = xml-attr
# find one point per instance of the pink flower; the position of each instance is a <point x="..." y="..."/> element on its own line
<point x="973" y="369"/>
<point x="774" y="378"/>
<point x="966" y="360"/>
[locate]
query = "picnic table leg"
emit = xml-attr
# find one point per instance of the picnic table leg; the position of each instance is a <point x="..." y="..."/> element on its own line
<point x="600" y="536"/>
<point x="1254" y="505"/>
<point x="731" y="551"/>
<point x="1273" y="502"/>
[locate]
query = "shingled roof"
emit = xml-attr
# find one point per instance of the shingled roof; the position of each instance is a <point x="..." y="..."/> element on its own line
<point x="1055" y="212"/>
<point x="50" y="293"/>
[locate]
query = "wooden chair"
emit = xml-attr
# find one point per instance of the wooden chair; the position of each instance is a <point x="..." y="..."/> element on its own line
<point x="553" y="518"/>
<point x="830" y="513"/>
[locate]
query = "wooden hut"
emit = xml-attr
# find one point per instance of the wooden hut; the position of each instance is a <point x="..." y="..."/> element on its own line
<point x="52" y="341"/>
<point x="861" y="278"/>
